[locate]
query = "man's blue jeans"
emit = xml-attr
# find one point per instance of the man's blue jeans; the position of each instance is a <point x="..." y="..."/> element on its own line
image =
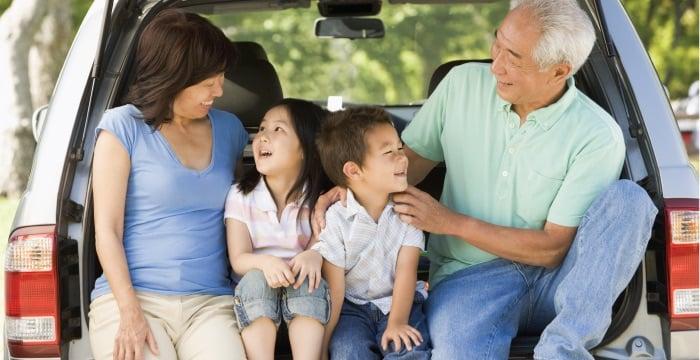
<point x="475" y="312"/>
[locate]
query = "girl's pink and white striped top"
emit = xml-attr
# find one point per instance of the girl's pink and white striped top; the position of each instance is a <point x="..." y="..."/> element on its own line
<point x="284" y="238"/>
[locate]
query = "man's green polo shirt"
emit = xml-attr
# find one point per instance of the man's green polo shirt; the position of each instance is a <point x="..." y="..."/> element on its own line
<point x="549" y="169"/>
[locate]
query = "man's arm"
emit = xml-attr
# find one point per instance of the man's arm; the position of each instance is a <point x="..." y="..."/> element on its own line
<point x="418" y="166"/>
<point x="545" y="247"/>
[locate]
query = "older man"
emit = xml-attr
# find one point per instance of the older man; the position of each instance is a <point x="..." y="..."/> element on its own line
<point x="519" y="245"/>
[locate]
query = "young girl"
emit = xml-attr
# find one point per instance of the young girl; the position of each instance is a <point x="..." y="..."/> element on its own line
<point x="269" y="235"/>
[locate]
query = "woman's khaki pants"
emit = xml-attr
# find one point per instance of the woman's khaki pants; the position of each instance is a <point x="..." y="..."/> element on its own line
<point x="185" y="327"/>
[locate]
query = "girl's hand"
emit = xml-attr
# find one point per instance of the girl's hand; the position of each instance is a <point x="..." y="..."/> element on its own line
<point x="277" y="272"/>
<point x="398" y="333"/>
<point x="132" y="334"/>
<point x="307" y="263"/>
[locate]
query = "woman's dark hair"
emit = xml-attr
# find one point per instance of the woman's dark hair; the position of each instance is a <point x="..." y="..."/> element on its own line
<point x="176" y="49"/>
<point x="307" y="118"/>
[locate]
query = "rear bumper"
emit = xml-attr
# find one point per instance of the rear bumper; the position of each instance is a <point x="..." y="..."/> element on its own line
<point x="684" y="345"/>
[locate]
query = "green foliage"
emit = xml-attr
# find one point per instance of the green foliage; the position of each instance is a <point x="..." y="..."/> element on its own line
<point x="669" y="31"/>
<point x="396" y="69"/>
<point x="79" y="9"/>
<point x="392" y="70"/>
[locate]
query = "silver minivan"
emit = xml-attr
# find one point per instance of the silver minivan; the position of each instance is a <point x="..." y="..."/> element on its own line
<point x="51" y="265"/>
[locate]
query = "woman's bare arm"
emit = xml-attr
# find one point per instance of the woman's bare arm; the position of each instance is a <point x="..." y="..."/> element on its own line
<point x="110" y="174"/>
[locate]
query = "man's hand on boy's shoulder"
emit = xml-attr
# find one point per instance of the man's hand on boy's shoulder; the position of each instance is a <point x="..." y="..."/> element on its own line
<point x="421" y="210"/>
<point x="318" y="218"/>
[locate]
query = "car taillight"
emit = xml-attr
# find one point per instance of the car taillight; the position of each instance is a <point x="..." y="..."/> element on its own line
<point x="682" y="259"/>
<point x="32" y="322"/>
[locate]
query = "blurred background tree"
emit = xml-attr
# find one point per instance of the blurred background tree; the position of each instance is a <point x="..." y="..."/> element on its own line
<point x="392" y="70"/>
<point x="36" y="35"/>
<point x="669" y="31"/>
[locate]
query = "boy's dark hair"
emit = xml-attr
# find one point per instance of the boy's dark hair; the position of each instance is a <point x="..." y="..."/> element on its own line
<point x="307" y="119"/>
<point x="176" y="49"/>
<point x="342" y="138"/>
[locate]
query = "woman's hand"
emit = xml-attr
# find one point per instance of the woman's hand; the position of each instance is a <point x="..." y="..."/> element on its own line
<point x="307" y="263"/>
<point x="133" y="332"/>
<point x="398" y="333"/>
<point x="277" y="272"/>
<point x="318" y="219"/>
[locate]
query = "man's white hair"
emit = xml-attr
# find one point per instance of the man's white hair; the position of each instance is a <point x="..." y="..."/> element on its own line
<point x="567" y="34"/>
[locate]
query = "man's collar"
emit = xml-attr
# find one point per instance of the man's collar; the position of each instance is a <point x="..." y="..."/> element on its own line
<point x="547" y="116"/>
<point x="502" y="104"/>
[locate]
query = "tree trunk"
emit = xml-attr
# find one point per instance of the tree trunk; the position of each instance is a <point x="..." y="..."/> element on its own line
<point x="46" y="56"/>
<point x="18" y="25"/>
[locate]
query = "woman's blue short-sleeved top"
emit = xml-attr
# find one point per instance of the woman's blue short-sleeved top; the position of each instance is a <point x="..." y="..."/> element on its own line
<point x="174" y="236"/>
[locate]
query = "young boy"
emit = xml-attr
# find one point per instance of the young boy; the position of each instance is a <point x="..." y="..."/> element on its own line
<point x="370" y="255"/>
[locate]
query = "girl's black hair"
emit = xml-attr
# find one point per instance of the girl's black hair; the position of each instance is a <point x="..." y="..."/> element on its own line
<point x="307" y="118"/>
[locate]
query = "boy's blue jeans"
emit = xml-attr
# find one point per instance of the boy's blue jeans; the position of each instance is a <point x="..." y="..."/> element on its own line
<point x="360" y="328"/>
<point x="475" y="312"/>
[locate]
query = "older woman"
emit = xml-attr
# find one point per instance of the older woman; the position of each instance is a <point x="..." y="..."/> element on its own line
<point x="162" y="166"/>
